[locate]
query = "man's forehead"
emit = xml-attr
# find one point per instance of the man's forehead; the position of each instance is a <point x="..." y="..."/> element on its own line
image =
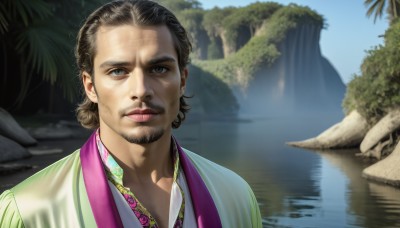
<point x="133" y="27"/>
<point x="117" y="40"/>
<point x="121" y="33"/>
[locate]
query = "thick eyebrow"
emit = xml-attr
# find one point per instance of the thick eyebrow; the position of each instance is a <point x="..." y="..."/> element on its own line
<point x="154" y="61"/>
<point x="161" y="59"/>
<point x="112" y="63"/>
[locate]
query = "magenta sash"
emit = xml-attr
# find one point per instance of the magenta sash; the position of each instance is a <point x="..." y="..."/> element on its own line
<point x="99" y="193"/>
<point x="203" y="205"/>
<point x="102" y="202"/>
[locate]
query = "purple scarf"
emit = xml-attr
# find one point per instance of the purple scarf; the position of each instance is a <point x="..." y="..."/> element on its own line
<point x="102" y="202"/>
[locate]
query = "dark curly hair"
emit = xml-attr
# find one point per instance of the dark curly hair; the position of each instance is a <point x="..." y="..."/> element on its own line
<point x="136" y="12"/>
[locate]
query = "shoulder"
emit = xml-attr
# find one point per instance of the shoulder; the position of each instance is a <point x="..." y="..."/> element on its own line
<point x="51" y="176"/>
<point x="52" y="189"/>
<point x="10" y="216"/>
<point x="211" y="171"/>
<point x="233" y="197"/>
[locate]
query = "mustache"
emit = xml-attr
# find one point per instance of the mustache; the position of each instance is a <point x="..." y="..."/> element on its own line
<point x="148" y="105"/>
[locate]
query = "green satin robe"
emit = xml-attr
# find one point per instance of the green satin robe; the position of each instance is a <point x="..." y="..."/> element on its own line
<point x="56" y="197"/>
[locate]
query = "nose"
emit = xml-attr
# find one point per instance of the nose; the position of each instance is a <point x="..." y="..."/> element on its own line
<point x="140" y="86"/>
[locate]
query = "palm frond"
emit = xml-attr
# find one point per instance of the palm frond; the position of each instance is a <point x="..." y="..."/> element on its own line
<point x="28" y="9"/>
<point x="3" y="19"/>
<point x="394" y="8"/>
<point x="41" y="42"/>
<point x="47" y="48"/>
<point x="376" y="8"/>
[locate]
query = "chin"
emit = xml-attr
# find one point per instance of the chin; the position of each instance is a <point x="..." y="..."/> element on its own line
<point x="145" y="136"/>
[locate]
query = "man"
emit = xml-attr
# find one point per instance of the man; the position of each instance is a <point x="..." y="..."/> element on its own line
<point x="132" y="57"/>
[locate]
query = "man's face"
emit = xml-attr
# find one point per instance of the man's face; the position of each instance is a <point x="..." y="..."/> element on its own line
<point x="137" y="82"/>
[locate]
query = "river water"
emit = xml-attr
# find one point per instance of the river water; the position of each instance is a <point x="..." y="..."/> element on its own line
<point x="295" y="187"/>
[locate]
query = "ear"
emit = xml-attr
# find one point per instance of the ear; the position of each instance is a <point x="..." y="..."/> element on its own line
<point x="184" y="76"/>
<point x="88" y="84"/>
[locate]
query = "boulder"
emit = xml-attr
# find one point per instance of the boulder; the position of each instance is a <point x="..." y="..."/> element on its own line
<point x="6" y="169"/>
<point x="43" y="150"/>
<point x="11" y="150"/>
<point x="348" y="133"/>
<point x="52" y="131"/>
<point x="387" y="170"/>
<point x="12" y="130"/>
<point x="380" y="130"/>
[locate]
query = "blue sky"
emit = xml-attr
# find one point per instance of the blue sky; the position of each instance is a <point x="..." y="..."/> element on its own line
<point x="348" y="35"/>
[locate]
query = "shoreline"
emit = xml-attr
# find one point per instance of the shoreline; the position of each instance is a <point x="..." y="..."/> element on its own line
<point x="11" y="176"/>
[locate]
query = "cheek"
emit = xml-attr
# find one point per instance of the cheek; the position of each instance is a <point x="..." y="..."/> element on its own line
<point x="174" y="110"/>
<point x="104" y="107"/>
<point x="107" y="101"/>
<point x="173" y="94"/>
<point x="171" y="90"/>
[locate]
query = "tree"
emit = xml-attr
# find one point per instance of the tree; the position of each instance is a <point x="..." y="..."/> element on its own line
<point x="376" y="91"/>
<point x="177" y="5"/>
<point x="243" y="23"/>
<point x="192" y="20"/>
<point x="213" y="19"/>
<point x="377" y="7"/>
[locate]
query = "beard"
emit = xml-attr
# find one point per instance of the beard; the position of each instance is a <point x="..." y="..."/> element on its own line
<point x="145" y="139"/>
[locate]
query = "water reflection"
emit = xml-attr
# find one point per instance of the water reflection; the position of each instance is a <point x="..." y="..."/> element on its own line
<point x="295" y="187"/>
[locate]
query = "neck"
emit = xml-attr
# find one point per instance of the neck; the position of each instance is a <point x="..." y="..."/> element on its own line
<point x="141" y="162"/>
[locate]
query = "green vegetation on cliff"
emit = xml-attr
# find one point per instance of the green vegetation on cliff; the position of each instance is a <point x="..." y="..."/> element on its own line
<point x="232" y="23"/>
<point x="263" y="47"/>
<point x="215" y="96"/>
<point x="376" y="90"/>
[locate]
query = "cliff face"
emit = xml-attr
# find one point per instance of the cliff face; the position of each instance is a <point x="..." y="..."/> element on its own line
<point x="301" y="78"/>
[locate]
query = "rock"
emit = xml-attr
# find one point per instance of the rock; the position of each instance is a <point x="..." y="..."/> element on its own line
<point x="12" y="130"/>
<point x="387" y="170"/>
<point x="51" y="131"/>
<point x="349" y="132"/>
<point x="10" y="150"/>
<point x="6" y="169"/>
<point x="69" y="123"/>
<point x="376" y="152"/>
<point x="380" y="130"/>
<point x="44" y="150"/>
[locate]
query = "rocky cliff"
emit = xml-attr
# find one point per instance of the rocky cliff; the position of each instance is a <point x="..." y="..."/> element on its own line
<point x="281" y="68"/>
<point x="301" y="78"/>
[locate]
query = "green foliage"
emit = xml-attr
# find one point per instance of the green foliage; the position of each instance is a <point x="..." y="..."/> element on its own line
<point x="41" y="46"/>
<point x="190" y="14"/>
<point x="250" y="17"/>
<point x="261" y="50"/>
<point x="23" y="10"/>
<point x="214" y="51"/>
<point x="37" y="34"/>
<point x="177" y="5"/>
<point x="215" y="96"/>
<point x="214" y="18"/>
<point x="377" y="8"/>
<point x="191" y="19"/>
<point x="376" y="90"/>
